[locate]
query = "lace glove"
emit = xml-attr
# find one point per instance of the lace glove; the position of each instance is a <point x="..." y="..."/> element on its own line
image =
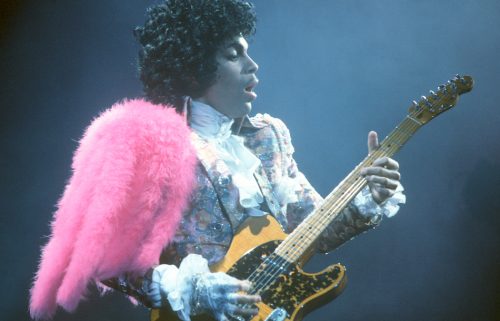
<point x="192" y="289"/>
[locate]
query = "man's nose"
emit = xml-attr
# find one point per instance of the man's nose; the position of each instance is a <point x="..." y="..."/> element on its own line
<point x="252" y="66"/>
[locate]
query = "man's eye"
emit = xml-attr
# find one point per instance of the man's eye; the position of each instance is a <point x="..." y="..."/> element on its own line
<point x="233" y="57"/>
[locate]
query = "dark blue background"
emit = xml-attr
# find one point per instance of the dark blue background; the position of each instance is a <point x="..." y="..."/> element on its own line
<point x="332" y="70"/>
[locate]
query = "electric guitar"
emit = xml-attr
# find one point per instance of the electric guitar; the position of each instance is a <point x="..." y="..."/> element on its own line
<point x="263" y="254"/>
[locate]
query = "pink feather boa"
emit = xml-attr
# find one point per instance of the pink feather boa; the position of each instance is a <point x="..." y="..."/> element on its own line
<point x="132" y="174"/>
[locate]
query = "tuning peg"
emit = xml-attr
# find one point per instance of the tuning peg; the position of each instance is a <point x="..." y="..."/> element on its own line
<point x="454" y="88"/>
<point x="414" y="107"/>
<point x="433" y="94"/>
<point x="426" y="101"/>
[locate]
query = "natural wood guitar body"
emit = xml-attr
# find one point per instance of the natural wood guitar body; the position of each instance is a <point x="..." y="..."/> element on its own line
<point x="292" y="289"/>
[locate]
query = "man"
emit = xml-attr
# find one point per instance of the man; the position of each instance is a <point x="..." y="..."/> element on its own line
<point x="194" y="59"/>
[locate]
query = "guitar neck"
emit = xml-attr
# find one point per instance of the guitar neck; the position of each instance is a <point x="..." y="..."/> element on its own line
<point x="303" y="237"/>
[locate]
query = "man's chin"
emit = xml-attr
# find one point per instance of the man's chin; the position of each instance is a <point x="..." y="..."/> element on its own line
<point x="243" y="111"/>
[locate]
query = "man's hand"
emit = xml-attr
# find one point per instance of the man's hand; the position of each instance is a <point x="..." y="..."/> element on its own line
<point x="223" y="296"/>
<point x="383" y="176"/>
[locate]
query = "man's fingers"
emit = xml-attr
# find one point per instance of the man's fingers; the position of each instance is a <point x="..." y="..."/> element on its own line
<point x="386" y="162"/>
<point x="238" y="285"/>
<point x="233" y="309"/>
<point x="236" y="298"/>
<point x="380" y="171"/>
<point x="383" y="181"/>
<point x="372" y="141"/>
<point x="246" y="286"/>
<point x="231" y="284"/>
<point x="383" y="175"/>
<point x="381" y="194"/>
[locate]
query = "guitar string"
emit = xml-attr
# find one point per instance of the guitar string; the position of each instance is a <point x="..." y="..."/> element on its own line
<point x="393" y="138"/>
<point x="347" y="194"/>
<point x="279" y="263"/>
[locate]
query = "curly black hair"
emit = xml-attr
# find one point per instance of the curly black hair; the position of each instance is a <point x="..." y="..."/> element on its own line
<point x="179" y="41"/>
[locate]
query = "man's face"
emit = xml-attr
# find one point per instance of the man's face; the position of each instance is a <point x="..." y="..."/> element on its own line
<point x="232" y="93"/>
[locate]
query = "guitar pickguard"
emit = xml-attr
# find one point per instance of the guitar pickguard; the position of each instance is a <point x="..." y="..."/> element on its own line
<point x="289" y="287"/>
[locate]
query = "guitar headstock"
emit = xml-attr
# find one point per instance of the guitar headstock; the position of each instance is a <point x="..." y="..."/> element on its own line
<point x="440" y="101"/>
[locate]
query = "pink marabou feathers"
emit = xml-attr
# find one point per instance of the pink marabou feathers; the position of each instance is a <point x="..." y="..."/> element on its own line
<point x="132" y="174"/>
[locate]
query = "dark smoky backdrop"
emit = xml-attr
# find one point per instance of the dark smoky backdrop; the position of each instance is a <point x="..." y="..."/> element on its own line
<point x="333" y="71"/>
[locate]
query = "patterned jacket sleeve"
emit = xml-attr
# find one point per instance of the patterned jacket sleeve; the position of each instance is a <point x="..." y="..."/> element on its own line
<point x="349" y="223"/>
<point x="138" y="287"/>
<point x="131" y="287"/>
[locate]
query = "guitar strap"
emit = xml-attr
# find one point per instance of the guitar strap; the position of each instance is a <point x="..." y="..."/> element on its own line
<point x="269" y="196"/>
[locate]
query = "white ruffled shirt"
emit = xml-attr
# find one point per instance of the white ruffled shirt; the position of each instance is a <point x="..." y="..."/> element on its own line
<point x="242" y="163"/>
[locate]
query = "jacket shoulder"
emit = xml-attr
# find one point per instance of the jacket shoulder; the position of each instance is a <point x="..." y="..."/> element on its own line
<point x="268" y="125"/>
<point x="264" y="120"/>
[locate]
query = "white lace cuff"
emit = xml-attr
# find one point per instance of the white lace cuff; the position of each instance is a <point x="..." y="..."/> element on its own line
<point x="369" y="208"/>
<point x="175" y="284"/>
